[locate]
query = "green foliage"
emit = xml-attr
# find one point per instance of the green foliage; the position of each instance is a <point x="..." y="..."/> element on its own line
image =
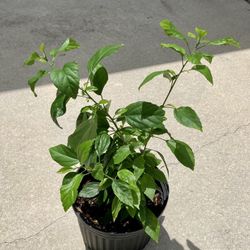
<point x="111" y="151"/>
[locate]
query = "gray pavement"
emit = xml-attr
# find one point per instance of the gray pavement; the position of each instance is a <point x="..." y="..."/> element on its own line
<point x="208" y="208"/>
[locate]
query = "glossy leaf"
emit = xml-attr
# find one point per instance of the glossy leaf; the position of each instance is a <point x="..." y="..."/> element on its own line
<point x="187" y="117"/>
<point x="67" y="79"/>
<point x="150" y="77"/>
<point x="174" y="47"/>
<point x="68" y="45"/>
<point x="69" y="189"/>
<point x="205" y="71"/>
<point x="58" y="107"/>
<point x="148" y="185"/>
<point x="99" y="80"/>
<point x="65" y="170"/>
<point x="226" y="41"/>
<point x="121" y="154"/>
<point x="126" y="176"/>
<point x="105" y="183"/>
<point x="33" y="58"/>
<point x="33" y="80"/>
<point x="97" y="172"/>
<point x="182" y="152"/>
<point x="156" y="173"/>
<point x="139" y="167"/>
<point x="195" y="58"/>
<point x="102" y="143"/>
<point x="89" y="190"/>
<point x="63" y="155"/>
<point x="144" y="115"/>
<point x="83" y="150"/>
<point x="171" y="30"/>
<point x="116" y="207"/>
<point x="102" y="122"/>
<point x="100" y="54"/>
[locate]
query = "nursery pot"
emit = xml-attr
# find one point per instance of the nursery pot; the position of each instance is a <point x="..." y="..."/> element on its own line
<point x="95" y="239"/>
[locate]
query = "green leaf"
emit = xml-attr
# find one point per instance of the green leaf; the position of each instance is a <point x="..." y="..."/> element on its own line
<point x="69" y="189"/>
<point x="205" y="71"/>
<point x="104" y="184"/>
<point x="58" y="107"/>
<point x="65" y="170"/>
<point x="200" y="32"/>
<point x="163" y="159"/>
<point x="187" y="117"/>
<point x="191" y="35"/>
<point x="139" y="167"/>
<point x="125" y="193"/>
<point x="174" y="47"/>
<point x="196" y="57"/>
<point x="150" y="77"/>
<point x="148" y="185"/>
<point x="116" y="207"/>
<point x="33" y="80"/>
<point x="156" y="173"/>
<point x="171" y="30"/>
<point x="150" y="223"/>
<point x="85" y="131"/>
<point x="127" y="176"/>
<point x="63" y="155"/>
<point x="83" y="150"/>
<point x="99" y="79"/>
<point x="207" y="57"/>
<point x="169" y="74"/>
<point x="67" y="79"/>
<point x="100" y="54"/>
<point x="132" y="211"/>
<point x="68" y="45"/>
<point x="97" y="172"/>
<point x="226" y="41"/>
<point x="144" y="115"/>
<point x="102" y="122"/>
<point x="121" y="154"/>
<point x="33" y="58"/>
<point x="42" y="48"/>
<point x="102" y="143"/>
<point x="89" y="190"/>
<point x="182" y="152"/>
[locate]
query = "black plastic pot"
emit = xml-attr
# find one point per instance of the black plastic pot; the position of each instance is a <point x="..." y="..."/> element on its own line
<point x="95" y="239"/>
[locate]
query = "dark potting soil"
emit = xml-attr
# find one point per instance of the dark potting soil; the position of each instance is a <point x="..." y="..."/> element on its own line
<point x="99" y="216"/>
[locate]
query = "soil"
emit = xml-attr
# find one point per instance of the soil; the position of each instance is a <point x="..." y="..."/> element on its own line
<point x="99" y="216"/>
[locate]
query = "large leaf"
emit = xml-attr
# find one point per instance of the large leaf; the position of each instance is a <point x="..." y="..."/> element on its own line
<point x="226" y="41"/>
<point x="116" y="207"/>
<point x="125" y="193"/>
<point x="99" y="79"/>
<point x="148" y="185"/>
<point x="150" y="223"/>
<point x="187" y="117"/>
<point x="69" y="44"/>
<point x="33" y="80"/>
<point x="144" y="115"/>
<point x="97" y="172"/>
<point x="150" y="77"/>
<point x="171" y="30"/>
<point x="102" y="122"/>
<point x="127" y="176"/>
<point x="121" y="154"/>
<point x="174" y="47"/>
<point x="182" y="152"/>
<point x="67" y="79"/>
<point x="102" y="143"/>
<point x="58" y="107"/>
<point x="205" y="71"/>
<point x="90" y="190"/>
<point x="63" y="155"/>
<point x="100" y="54"/>
<point x="83" y="150"/>
<point x="85" y="131"/>
<point x="69" y="189"/>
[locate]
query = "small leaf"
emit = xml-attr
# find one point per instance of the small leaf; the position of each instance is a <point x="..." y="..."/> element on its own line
<point x="205" y="71"/>
<point x="83" y="150"/>
<point x="182" y="152"/>
<point x="171" y="30"/>
<point x="150" y="77"/>
<point x="196" y="57"/>
<point x="127" y="176"/>
<point x="138" y="166"/>
<point x="63" y="155"/>
<point x="174" y="47"/>
<point x="65" y="170"/>
<point x="102" y="143"/>
<point x="67" y="79"/>
<point x="89" y="190"/>
<point x="191" y="35"/>
<point x="100" y="54"/>
<point x="148" y="185"/>
<point x="58" y="107"/>
<point x="200" y="32"/>
<point x="187" y="117"/>
<point x="121" y="154"/>
<point x="68" y="45"/>
<point x="99" y="79"/>
<point x="169" y="74"/>
<point x="102" y="122"/>
<point x="226" y="41"/>
<point x="33" y="58"/>
<point x="33" y="80"/>
<point x="97" y="172"/>
<point x="42" y="48"/>
<point x="116" y="207"/>
<point x="68" y="190"/>
<point x="104" y="184"/>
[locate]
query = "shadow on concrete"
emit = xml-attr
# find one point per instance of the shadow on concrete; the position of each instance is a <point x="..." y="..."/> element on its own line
<point x="95" y="23"/>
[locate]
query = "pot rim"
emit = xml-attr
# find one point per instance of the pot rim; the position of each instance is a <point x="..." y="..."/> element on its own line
<point x="164" y="186"/>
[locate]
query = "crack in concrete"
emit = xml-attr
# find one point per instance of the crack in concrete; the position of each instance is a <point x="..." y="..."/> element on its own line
<point x="35" y="234"/>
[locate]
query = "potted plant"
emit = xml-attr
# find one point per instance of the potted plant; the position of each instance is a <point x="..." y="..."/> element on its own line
<point x="112" y="179"/>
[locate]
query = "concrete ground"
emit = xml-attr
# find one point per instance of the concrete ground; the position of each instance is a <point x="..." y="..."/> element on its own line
<point x="208" y="208"/>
